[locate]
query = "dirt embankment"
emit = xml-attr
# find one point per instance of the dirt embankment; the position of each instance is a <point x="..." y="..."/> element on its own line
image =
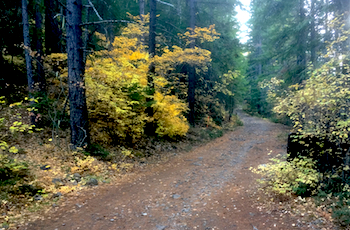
<point x="207" y="188"/>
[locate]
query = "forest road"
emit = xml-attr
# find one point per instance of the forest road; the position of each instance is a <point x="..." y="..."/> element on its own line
<point x="207" y="188"/>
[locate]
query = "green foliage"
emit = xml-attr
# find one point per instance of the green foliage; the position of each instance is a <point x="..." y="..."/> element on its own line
<point x="338" y="201"/>
<point x="11" y="170"/>
<point x="283" y="177"/>
<point x="12" y="124"/>
<point x="319" y="107"/>
<point x="96" y="150"/>
<point x="341" y="215"/>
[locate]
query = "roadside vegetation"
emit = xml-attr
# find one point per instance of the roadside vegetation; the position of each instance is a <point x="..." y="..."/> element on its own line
<point x="312" y="181"/>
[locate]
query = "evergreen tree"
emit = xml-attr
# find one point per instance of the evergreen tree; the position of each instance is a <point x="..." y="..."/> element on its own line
<point x="77" y="99"/>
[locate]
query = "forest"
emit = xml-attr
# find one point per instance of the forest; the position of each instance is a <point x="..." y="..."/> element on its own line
<point x="92" y="88"/>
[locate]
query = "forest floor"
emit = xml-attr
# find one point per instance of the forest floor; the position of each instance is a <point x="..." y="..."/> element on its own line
<point x="210" y="187"/>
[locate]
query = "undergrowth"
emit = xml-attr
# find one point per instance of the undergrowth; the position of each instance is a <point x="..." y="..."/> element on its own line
<point x="297" y="188"/>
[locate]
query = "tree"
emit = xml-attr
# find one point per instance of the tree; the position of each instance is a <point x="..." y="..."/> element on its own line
<point x="39" y="75"/>
<point x="77" y="98"/>
<point x="28" y="53"/>
<point x="313" y="32"/>
<point x="152" y="53"/>
<point x="142" y="13"/>
<point x="142" y="9"/>
<point x="285" y="37"/>
<point x="192" y="71"/>
<point x="301" y="43"/>
<point x="53" y="33"/>
<point x="27" y="49"/>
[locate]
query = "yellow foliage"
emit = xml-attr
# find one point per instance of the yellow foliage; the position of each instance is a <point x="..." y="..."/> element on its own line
<point x="116" y="85"/>
<point x="115" y="82"/>
<point x="168" y="113"/>
<point x="171" y="58"/>
<point x="87" y="164"/>
<point x="138" y="29"/>
<point x="205" y="34"/>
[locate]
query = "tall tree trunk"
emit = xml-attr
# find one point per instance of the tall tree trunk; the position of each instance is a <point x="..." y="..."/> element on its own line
<point x="150" y="128"/>
<point x="301" y="50"/>
<point x="142" y="8"/>
<point x="259" y="53"/>
<point x="77" y="99"/>
<point x="142" y="13"/>
<point x="40" y="75"/>
<point x="345" y="7"/>
<point x="152" y="27"/>
<point x="327" y="38"/>
<point x="342" y="10"/>
<point x="53" y="33"/>
<point x="86" y="32"/>
<point x="192" y="69"/>
<point x="152" y="42"/>
<point x="313" y="32"/>
<point x="179" y="11"/>
<point x="27" y="50"/>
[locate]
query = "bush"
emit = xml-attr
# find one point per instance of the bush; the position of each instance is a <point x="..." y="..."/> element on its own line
<point x="11" y="170"/>
<point x="168" y="114"/>
<point x="118" y="95"/>
<point x="96" y="150"/>
<point x="283" y="177"/>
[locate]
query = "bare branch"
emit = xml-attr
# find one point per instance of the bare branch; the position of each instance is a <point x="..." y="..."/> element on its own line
<point x="106" y="21"/>
<point x="93" y="7"/>
<point x="166" y="3"/>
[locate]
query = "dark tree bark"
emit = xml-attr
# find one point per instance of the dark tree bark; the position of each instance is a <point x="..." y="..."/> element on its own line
<point x="192" y="69"/>
<point x="142" y="13"/>
<point x="40" y="82"/>
<point x="86" y="32"/>
<point x="77" y="98"/>
<point x="150" y="127"/>
<point x="53" y="33"/>
<point x="152" y="41"/>
<point x="142" y="8"/>
<point x="27" y="49"/>
<point x="152" y="27"/>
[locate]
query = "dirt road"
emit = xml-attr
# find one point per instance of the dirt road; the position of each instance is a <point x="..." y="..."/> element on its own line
<point x="207" y="188"/>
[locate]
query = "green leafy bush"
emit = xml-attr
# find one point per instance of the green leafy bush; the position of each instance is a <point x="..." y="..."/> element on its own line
<point x="11" y="169"/>
<point x="283" y="177"/>
<point x="96" y="150"/>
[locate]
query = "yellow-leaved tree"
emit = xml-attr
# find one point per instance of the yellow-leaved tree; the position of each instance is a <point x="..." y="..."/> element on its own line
<point x="116" y="83"/>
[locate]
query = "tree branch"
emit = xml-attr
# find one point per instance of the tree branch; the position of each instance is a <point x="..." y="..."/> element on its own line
<point x="106" y="21"/>
<point x="93" y="7"/>
<point x="166" y="3"/>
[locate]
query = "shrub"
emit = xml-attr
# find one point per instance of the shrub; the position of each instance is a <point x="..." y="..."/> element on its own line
<point x="283" y="177"/>
<point x="11" y="169"/>
<point x="96" y="150"/>
<point x="169" y="115"/>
